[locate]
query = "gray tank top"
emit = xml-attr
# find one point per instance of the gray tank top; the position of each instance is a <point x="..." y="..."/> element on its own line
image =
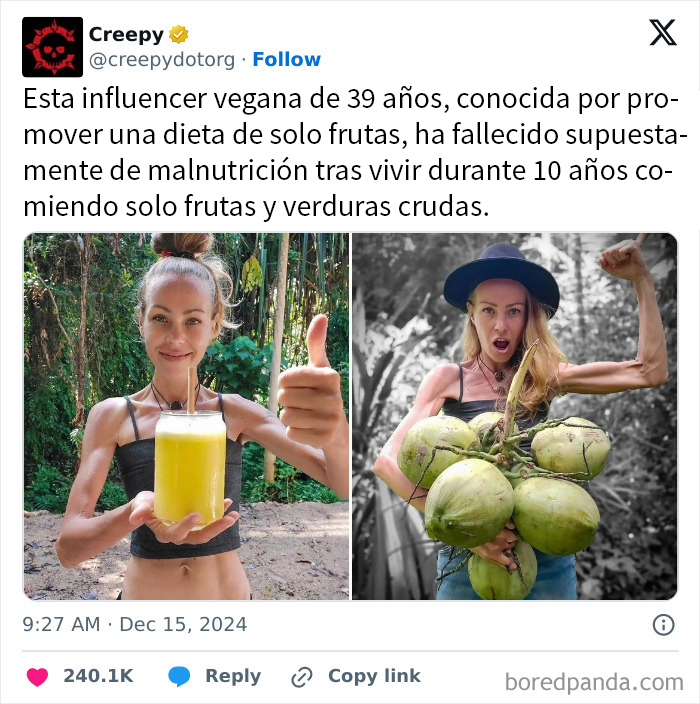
<point x="466" y="410"/>
<point x="136" y="463"/>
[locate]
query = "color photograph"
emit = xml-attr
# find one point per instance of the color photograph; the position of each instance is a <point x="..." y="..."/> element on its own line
<point x="185" y="405"/>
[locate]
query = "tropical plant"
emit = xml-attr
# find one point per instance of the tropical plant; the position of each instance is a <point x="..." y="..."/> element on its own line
<point x="289" y="484"/>
<point x="238" y="366"/>
<point x="391" y="556"/>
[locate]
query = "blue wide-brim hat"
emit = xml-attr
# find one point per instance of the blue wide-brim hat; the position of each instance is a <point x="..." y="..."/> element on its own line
<point x="502" y="261"/>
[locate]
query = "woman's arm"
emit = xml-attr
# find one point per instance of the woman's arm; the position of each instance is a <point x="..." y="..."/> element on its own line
<point x="314" y="416"/>
<point x="82" y="534"/>
<point x="430" y="396"/>
<point x="329" y="465"/>
<point x="650" y="367"/>
<point x="312" y="432"/>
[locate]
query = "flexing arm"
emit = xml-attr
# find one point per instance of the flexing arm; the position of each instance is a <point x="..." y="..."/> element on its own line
<point x="650" y="366"/>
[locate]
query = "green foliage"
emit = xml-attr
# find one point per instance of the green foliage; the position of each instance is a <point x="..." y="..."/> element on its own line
<point x="317" y="264"/>
<point x="338" y="337"/>
<point x="48" y="407"/>
<point x="338" y="349"/>
<point x="48" y="491"/>
<point x="116" y="363"/>
<point x="344" y="371"/>
<point x="290" y="484"/>
<point x="238" y="366"/>
<point x="112" y="496"/>
<point x="76" y="438"/>
<point x="253" y="460"/>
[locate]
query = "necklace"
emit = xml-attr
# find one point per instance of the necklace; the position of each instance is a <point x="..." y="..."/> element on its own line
<point x="498" y="390"/>
<point x="174" y="405"/>
<point x="499" y="375"/>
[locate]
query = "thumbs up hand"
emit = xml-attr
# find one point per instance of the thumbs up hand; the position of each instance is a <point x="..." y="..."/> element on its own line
<point x="313" y="405"/>
<point x="316" y="342"/>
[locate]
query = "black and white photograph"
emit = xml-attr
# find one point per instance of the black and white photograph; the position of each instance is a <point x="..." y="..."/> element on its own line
<point x="514" y="416"/>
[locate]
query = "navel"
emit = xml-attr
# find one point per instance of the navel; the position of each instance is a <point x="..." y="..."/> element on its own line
<point x="185" y="569"/>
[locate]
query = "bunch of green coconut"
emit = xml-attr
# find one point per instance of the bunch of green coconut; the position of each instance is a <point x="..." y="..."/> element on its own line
<point x="478" y="478"/>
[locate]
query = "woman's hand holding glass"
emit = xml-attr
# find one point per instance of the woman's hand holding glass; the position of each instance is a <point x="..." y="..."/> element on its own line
<point x="180" y="533"/>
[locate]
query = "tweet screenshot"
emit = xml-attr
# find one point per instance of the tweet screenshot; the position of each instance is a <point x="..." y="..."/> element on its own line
<point x="313" y="311"/>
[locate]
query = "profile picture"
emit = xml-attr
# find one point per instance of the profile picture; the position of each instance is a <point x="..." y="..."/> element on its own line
<point x="514" y="416"/>
<point x="52" y="47"/>
<point x="185" y="411"/>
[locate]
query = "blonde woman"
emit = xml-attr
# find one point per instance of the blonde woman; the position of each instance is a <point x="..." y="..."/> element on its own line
<point x="181" y="308"/>
<point x="508" y="301"/>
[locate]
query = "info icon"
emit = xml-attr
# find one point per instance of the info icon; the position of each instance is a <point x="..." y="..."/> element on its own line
<point x="52" y="47"/>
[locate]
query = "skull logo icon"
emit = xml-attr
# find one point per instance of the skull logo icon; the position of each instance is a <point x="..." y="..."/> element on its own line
<point x="51" y="48"/>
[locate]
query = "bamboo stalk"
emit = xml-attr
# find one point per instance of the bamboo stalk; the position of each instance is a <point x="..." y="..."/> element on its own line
<point x="278" y="336"/>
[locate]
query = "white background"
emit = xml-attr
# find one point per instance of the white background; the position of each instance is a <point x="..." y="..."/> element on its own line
<point x="462" y="650"/>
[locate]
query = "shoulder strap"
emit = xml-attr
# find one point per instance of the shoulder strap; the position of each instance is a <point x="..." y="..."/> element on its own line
<point x="133" y="417"/>
<point x="461" y="382"/>
<point x="221" y="406"/>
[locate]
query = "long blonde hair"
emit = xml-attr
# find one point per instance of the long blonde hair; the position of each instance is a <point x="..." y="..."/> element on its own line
<point x="542" y="376"/>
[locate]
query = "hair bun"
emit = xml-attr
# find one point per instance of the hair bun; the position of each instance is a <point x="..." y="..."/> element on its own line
<point x="180" y="242"/>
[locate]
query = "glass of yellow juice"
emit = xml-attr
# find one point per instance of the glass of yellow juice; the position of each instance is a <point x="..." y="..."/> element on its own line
<point x="190" y="466"/>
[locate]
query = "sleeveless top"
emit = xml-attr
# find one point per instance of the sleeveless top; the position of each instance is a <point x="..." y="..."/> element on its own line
<point x="466" y="410"/>
<point x="136" y="463"/>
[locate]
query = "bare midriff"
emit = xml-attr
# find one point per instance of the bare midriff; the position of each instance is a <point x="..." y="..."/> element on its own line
<point x="196" y="578"/>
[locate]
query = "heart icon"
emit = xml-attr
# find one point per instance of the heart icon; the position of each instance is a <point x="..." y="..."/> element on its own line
<point x="37" y="677"/>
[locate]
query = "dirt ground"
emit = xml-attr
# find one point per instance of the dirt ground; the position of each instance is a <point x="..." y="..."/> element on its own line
<point x="289" y="551"/>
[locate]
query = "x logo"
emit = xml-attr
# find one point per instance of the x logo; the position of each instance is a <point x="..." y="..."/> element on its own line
<point x="662" y="32"/>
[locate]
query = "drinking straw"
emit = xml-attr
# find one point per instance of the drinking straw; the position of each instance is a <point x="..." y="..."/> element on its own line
<point x="191" y="385"/>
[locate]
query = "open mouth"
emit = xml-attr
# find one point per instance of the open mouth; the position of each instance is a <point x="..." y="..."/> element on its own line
<point x="501" y="345"/>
